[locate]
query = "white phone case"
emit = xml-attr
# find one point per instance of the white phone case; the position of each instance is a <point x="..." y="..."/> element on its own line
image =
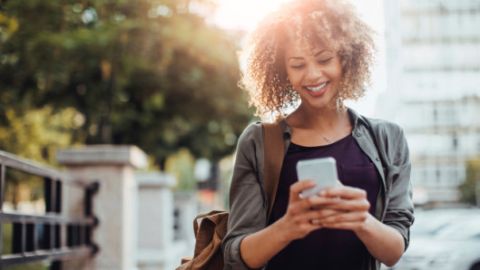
<point x="323" y="171"/>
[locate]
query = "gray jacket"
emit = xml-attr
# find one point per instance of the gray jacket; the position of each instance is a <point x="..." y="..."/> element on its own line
<point x="383" y="142"/>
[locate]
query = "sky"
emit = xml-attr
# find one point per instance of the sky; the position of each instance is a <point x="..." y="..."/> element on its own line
<point x="245" y="14"/>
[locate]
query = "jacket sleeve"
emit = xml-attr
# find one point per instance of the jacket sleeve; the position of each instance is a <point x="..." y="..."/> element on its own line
<point x="399" y="212"/>
<point x="247" y="204"/>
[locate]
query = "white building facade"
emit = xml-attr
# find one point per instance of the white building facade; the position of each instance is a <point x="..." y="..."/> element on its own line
<point x="433" y="88"/>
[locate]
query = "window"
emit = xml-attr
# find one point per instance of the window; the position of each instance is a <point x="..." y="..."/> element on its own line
<point x="455" y="141"/>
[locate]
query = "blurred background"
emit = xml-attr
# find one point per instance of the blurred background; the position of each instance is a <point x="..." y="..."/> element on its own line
<point x="162" y="75"/>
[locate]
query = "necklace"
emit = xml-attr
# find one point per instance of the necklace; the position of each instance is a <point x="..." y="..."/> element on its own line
<point x="326" y="139"/>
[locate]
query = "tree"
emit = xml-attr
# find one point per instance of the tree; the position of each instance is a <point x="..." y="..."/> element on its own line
<point x="38" y="133"/>
<point x="147" y="72"/>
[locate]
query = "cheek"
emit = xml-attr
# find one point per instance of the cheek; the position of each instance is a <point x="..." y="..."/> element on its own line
<point x="295" y="78"/>
<point x="337" y="69"/>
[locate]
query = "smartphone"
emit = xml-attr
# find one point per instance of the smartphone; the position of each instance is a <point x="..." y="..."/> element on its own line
<point x="323" y="171"/>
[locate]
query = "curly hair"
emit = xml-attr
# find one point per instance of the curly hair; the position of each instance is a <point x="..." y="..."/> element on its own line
<point x="332" y="23"/>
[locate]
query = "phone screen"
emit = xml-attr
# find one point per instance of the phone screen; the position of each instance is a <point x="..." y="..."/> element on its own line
<point x="323" y="171"/>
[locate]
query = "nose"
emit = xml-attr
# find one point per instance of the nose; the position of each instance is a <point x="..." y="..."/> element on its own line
<point x="314" y="74"/>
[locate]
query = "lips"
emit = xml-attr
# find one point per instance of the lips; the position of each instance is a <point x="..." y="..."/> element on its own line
<point x="318" y="89"/>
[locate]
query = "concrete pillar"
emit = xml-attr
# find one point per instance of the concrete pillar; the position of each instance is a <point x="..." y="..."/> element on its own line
<point x="155" y="210"/>
<point x="115" y="204"/>
<point x="157" y="249"/>
<point x="187" y="206"/>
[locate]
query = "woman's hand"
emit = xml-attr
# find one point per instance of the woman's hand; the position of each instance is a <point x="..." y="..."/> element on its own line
<point x="303" y="215"/>
<point x="383" y="242"/>
<point x="351" y="206"/>
<point x="258" y="248"/>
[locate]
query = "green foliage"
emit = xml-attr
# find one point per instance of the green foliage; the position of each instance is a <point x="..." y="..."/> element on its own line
<point x="181" y="165"/>
<point x="147" y="72"/>
<point x="34" y="134"/>
<point x="37" y="134"/>
<point x="468" y="189"/>
<point x="8" y="26"/>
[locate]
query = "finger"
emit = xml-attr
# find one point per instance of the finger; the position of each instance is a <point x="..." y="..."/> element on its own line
<point x="298" y="207"/>
<point x="346" y="217"/>
<point x="317" y="215"/>
<point x="324" y="213"/>
<point x="298" y="187"/>
<point x="309" y="227"/>
<point x="318" y="202"/>
<point x="343" y="226"/>
<point x="350" y="205"/>
<point x="344" y="192"/>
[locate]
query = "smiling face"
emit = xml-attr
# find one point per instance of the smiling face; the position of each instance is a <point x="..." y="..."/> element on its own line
<point x="314" y="73"/>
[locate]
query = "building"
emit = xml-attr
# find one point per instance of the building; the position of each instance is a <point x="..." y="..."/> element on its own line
<point x="433" y="88"/>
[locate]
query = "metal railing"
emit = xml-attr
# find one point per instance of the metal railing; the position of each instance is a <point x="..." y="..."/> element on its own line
<point x="52" y="236"/>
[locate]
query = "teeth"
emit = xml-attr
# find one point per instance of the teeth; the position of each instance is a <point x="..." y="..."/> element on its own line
<point x="317" y="88"/>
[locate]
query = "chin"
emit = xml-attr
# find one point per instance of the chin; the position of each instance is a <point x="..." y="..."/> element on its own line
<point x="320" y="104"/>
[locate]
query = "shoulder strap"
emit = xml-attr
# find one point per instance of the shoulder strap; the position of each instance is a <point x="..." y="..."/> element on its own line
<point x="273" y="152"/>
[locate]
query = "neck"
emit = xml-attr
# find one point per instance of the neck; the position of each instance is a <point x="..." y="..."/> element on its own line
<point x="328" y="118"/>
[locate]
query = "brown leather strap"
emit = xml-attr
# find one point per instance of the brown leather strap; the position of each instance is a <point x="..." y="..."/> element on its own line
<point x="273" y="153"/>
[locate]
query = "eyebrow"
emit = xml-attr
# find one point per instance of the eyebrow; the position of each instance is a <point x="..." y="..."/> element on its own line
<point x="320" y="52"/>
<point x="301" y="58"/>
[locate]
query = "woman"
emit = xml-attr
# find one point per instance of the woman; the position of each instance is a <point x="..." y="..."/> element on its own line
<point x="312" y="55"/>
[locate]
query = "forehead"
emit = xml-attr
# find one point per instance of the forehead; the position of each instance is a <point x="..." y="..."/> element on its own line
<point x="304" y="48"/>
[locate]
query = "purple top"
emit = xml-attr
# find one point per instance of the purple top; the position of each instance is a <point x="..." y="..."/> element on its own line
<point x="326" y="249"/>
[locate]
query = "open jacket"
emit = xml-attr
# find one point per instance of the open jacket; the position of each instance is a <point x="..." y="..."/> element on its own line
<point x="383" y="142"/>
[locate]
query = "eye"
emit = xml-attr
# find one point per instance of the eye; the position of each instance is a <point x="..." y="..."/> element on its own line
<point x="325" y="60"/>
<point x="297" y="66"/>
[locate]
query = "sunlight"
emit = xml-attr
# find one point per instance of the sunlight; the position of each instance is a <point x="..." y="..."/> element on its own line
<point x="245" y="14"/>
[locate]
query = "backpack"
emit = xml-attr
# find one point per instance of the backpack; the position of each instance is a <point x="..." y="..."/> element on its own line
<point x="210" y="228"/>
